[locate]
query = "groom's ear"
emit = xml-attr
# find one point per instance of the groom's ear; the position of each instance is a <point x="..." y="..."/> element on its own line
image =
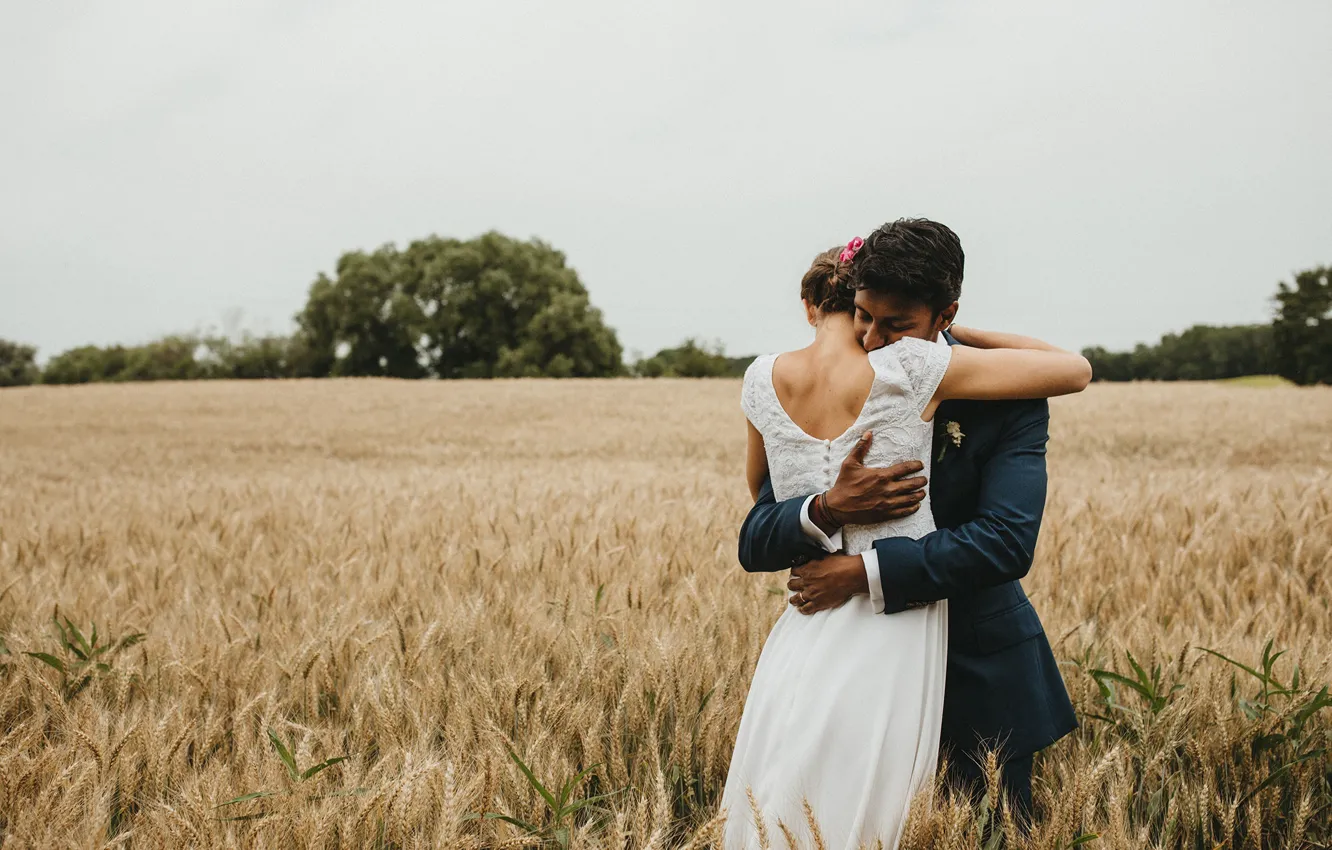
<point x="946" y="317"/>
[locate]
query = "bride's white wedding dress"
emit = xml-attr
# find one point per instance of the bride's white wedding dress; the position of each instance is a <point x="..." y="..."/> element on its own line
<point x="845" y="707"/>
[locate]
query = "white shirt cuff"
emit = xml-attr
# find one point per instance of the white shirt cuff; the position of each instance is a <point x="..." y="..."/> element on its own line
<point x="834" y="543"/>
<point x="872" y="577"/>
<point x="813" y="532"/>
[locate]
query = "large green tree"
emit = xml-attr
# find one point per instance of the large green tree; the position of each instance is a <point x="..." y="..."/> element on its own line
<point x="480" y="308"/>
<point x="364" y="321"/>
<point x="18" y="364"/>
<point x="1303" y="327"/>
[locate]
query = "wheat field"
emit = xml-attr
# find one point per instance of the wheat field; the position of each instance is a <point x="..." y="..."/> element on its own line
<point x="421" y="578"/>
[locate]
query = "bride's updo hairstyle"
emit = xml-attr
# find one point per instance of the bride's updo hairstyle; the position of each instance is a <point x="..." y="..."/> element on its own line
<point x="827" y="285"/>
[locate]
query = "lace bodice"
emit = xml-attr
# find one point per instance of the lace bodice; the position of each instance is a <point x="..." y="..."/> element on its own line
<point x="906" y="374"/>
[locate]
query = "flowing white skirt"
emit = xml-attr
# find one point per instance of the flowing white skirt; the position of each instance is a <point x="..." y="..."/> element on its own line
<point x="844" y="711"/>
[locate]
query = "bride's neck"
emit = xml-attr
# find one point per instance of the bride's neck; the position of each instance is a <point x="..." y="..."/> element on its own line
<point x="835" y="332"/>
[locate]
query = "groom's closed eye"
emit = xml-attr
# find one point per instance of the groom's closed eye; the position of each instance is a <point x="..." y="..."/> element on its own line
<point x="896" y="323"/>
<point x="885" y="326"/>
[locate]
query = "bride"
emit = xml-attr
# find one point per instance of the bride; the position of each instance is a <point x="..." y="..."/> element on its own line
<point x="844" y="710"/>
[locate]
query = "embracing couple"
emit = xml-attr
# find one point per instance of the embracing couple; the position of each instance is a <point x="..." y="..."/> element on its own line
<point x="898" y="469"/>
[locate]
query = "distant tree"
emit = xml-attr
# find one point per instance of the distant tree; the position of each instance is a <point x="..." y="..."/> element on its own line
<point x="365" y="321"/>
<point x="1109" y="365"/>
<point x="86" y="364"/>
<point x="566" y="338"/>
<point x="1201" y="353"/>
<point x="486" y="307"/>
<point x="690" y="359"/>
<point x="181" y="357"/>
<point x="18" y="364"/>
<point x="1303" y="327"/>
<point x="172" y="358"/>
<point x="252" y="357"/>
<point x="1204" y="353"/>
<point x="736" y="366"/>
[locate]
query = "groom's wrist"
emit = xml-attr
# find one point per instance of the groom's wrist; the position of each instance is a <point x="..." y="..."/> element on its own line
<point x="821" y="516"/>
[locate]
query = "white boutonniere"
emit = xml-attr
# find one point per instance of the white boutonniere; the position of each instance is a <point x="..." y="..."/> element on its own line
<point x="953" y="431"/>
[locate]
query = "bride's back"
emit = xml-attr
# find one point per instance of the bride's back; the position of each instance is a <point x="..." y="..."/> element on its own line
<point x="884" y="393"/>
<point x="823" y="388"/>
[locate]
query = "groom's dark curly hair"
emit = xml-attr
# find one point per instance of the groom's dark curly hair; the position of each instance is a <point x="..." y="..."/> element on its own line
<point x="914" y="258"/>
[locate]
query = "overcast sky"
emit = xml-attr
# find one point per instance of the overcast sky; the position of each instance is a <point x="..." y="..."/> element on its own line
<point x="1115" y="171"/>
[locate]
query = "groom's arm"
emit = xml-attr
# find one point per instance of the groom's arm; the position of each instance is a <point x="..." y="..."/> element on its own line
<point x="774" y="537"/>
<point x="998" y="544"/>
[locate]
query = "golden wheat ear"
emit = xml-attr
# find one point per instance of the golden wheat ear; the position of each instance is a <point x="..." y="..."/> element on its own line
<point x="392" y="568"/>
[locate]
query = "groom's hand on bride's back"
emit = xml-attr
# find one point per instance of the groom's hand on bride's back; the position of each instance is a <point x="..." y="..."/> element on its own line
<point x="864" y="495"/>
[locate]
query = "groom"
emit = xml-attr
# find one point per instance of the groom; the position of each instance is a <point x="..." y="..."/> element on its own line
<point x="1003" y="689"/>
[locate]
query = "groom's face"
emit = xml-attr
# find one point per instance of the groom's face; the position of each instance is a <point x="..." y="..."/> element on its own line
<point x="883" y="319"/>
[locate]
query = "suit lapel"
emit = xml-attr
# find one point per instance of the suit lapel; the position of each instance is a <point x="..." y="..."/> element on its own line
<point x="941" y="443"/>
<point x="941" y="415"/>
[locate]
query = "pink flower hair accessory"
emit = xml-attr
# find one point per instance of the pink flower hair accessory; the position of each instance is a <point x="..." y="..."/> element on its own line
<point x="849" y="252"/>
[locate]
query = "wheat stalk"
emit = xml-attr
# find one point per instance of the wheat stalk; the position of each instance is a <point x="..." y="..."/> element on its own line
<point x="442" y="570"/>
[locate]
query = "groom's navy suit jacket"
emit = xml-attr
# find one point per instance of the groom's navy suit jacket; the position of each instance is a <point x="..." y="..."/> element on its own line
<point x="988" y="494"/>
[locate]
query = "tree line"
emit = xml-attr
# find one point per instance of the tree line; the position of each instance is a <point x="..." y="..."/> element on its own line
<point x="447" y="308"/>
<point x="1201" y="353"/>
<point x="488" y="307"/>
<point x="1297" y="344"/>
<point x="494" y="307"/>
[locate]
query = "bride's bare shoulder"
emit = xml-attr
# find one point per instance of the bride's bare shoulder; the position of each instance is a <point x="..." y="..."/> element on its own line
<point x="789" y="363"/>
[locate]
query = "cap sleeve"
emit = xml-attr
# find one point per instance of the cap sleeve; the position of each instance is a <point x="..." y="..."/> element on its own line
<point x="924" y="364"/>
<point x="755" y="390"/>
